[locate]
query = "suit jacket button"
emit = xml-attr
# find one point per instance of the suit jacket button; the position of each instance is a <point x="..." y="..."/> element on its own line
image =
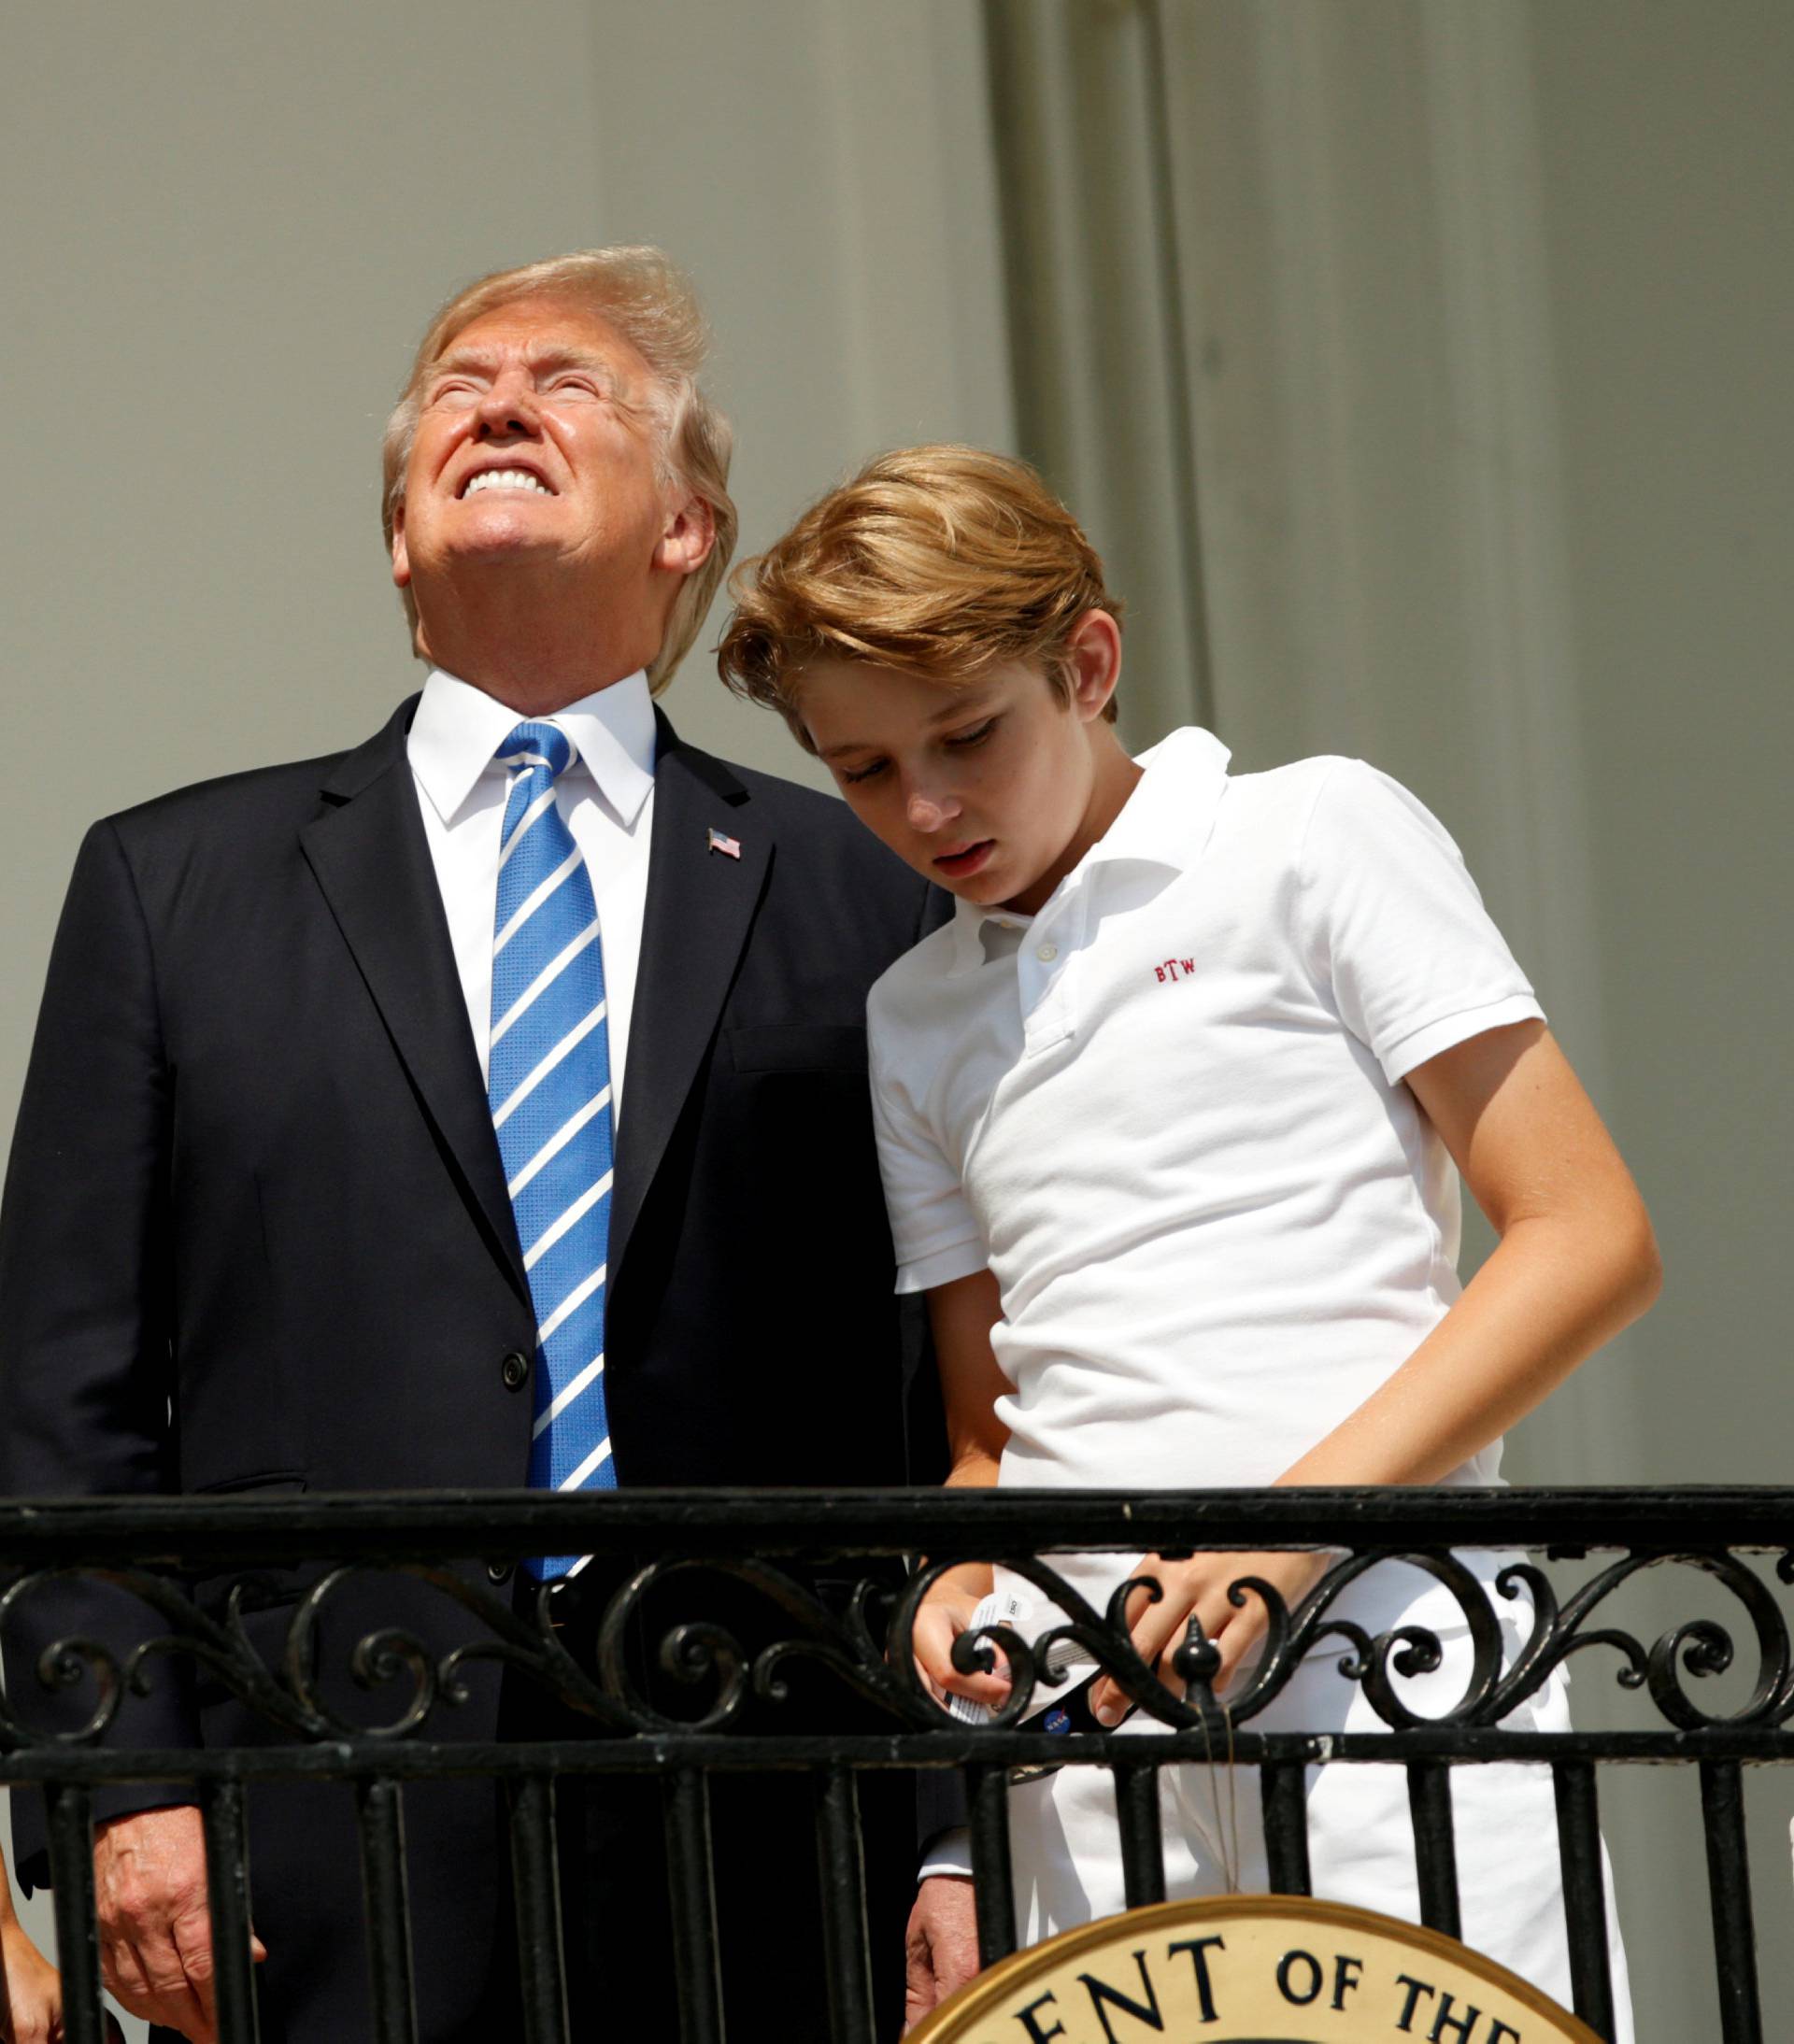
<point x="514" y="1370"/>
<point x="498" y="1572"/>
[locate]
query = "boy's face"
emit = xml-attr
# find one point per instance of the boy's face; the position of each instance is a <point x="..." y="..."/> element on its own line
<point x="982" y="789"/>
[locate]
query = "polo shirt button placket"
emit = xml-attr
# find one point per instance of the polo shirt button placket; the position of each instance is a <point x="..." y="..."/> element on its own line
<point x="1046" y="962"/>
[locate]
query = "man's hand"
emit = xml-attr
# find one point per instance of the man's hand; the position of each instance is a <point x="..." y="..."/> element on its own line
<point x="941" y="1949"/>
<point x="155" y="1934"/>
<point x="1200" y="1587"/>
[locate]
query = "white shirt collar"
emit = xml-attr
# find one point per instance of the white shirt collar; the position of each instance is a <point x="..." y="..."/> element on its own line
<point x="457" y="729"/>
<point x="969" y="920"/>
<point x="1164" y="822"/>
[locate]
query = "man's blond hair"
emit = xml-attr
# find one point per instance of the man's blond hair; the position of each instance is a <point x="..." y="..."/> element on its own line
<point x="643" y="295"/>
<point x="944" y="561"/>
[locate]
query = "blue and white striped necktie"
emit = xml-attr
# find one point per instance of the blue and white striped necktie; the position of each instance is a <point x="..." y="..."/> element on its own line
<point x="549" y="1088"/>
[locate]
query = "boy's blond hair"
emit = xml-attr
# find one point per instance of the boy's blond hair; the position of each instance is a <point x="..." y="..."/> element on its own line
<point x="943" y="561"/>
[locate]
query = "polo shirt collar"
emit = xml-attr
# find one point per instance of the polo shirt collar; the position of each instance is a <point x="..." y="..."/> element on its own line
<point x="457" y="729"/>
<point x="969" y="921"/>
<point x="1164" y="822"/>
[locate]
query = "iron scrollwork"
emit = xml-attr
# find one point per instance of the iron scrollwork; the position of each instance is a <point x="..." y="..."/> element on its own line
<point x="862" y="1637"/>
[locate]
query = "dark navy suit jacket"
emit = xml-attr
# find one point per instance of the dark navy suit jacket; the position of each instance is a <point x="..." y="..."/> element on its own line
<point x="256" y="1236"/>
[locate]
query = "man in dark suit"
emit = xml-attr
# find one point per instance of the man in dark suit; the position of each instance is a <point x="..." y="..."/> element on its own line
<point x="482" y="1105"/>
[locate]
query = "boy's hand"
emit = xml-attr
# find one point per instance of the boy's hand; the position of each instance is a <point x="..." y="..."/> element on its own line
<point x="945" y="1613"/>
<point x="1200" y="1585"/>
<point x="30" y="1994"/>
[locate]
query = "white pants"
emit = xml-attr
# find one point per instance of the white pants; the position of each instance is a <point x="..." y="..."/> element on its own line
<point x="1360" y="1839"/>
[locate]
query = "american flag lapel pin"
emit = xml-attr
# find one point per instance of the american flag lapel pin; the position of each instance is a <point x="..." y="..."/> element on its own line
<point x="729" y="847"/>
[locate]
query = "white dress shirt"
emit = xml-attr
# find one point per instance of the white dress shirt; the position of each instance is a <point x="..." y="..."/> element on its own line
<point x="606" y="798"/>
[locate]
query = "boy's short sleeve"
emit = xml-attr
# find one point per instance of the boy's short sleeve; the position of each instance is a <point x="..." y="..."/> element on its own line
<point x="1396" y="928"/>
<point x="935" y="1233"/>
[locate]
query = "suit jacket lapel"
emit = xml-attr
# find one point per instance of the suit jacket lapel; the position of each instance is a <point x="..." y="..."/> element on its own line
<point x="699" y="909"/>
<point x="370" y="857"/>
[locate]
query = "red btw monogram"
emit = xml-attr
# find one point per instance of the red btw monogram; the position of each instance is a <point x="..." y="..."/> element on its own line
<point x="1175" y="968"/>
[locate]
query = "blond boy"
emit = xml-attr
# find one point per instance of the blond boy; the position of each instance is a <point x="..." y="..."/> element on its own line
<point x="1168" y="1119"/>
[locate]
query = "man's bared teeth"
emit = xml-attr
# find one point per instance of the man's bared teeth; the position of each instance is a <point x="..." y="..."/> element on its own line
<point x="506" y="478"/>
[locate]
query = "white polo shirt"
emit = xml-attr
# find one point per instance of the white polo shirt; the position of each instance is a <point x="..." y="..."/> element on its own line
<point x="1168" y="1113"/>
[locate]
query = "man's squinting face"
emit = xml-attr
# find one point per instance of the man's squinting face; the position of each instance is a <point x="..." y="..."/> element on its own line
<point x="980" y="788"/>
<point x="535" y="442"/>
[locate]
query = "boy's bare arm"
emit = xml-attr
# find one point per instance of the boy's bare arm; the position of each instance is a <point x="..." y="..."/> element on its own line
<point x="1576" y="1262"/>
<point x="941" y="1949"/>
<point x="961" y="1315"/>
<point x="30" y="1994"/>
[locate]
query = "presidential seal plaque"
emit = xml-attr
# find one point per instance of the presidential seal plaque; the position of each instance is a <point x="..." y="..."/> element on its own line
<point x="1251" y="1970"/>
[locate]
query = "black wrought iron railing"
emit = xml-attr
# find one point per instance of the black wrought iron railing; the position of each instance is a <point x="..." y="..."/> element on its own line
<point x="240" y="1592"/>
